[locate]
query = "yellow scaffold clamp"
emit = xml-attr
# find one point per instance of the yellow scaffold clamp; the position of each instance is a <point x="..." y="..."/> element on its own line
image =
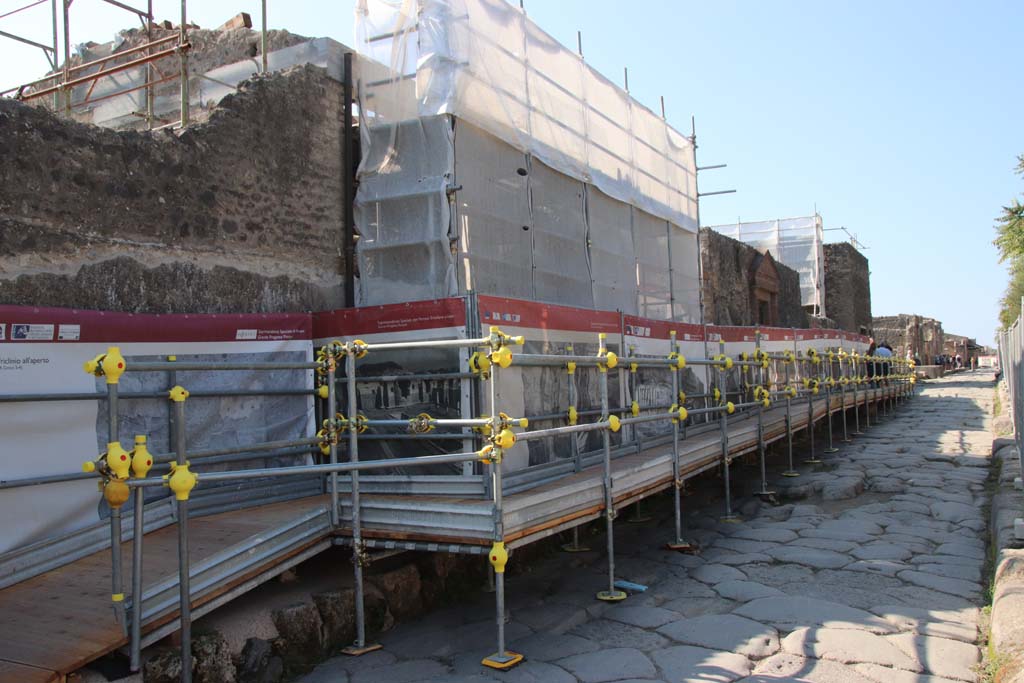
<point x="790" y="391"/>
<point x="716" y="395"/>
<point x="723" y="362"/>
<point x="484" y="429"/>
<point x="142" y="459"/>
<point x="359" y="423"/>
<point x="813" y="356"/>
<point x="606" y="359"/>
<point x="110" y="365"/>
<point x="498" y="557"/>
<point x="181" y="480"/>
<point x="421" y="424"/>
<point x="323" y="391"/>
<point x="500" y="354"/>
<point x="480" y="365"/>
<point x="729" y="408"/>
<point x="679" y="413"/>
<point x="573" y="415"/>
<point x="489" y="455"/>
<point x="677" y="360"/>
<point x="788" y="358"/>
<point x="570" y="368"/>
<point x="614" y="423"/>
<point x="634" y="408"/>
<point x="682" y="397"/>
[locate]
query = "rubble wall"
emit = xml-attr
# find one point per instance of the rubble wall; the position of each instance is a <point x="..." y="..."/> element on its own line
<point x="726" y="265"/>
<point x="847" y="288"/>
<point x="242" y="213"/>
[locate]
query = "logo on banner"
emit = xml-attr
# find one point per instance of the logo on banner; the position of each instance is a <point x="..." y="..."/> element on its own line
<point x="638" y="330"/>
<point x="27" y="332"/>
<point x="3" y="326"/>
<point x="69" y="332"/>
<point x="714" y="336"/>
<point x="245" y="335"/>
<point x="507" y="317"/>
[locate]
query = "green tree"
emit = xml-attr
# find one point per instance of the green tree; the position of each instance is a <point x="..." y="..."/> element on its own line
<point x="1010" y="242"/>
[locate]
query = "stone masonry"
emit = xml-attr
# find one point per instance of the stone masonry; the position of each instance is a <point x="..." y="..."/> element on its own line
<point x="922" y="336"/>
<point x="870" y="572"/>
<point x="239" y="214"/>
<point x="847" y="288"/>
<point x="726" y="266"/>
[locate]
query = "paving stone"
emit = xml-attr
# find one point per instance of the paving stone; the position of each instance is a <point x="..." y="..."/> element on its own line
<point x="959" y="587"/>
<point x="741" y="559"/>
<point x="614" y="634"/>
<point x="643" y="617"/>
<point x="839" y="535"/>
<point x="609" y="665"/>
<point x="954" y="512"/>
<point x="547" y="647"/>
<point x="811" y="557"/>
<point x="880" y="567"/>
<point x="401" y="672"/>
<point x="770" y="534"/>
<point x="742" y="545"/>
<point x="883" y="674"/>
<point x="745" y="591"/>
<point x="843" y="488"/>
<point x="914" y="544"/>
<point x="790" y="612"/>
<point x="805" y="511"/>
<point x="787" y="668"/>
<point x="922" y="621"/>
<point x="946" y="559"/>
<point x="847" y="646"/>
<point x="716" y="573"/>
<point x="688" y="664"/>
<point x="940" y="656"/>
<point x="696" y="607"/>
<point x="953" y="571"/>
<point x="824" y="544"/>
<point x="881" y="551"/>
<point x="725" y="632"/>
<point x="962" y="549"/>
<point x="551" y="616"/>
<point x="850" y="525"/>
<point x="926" y="598"/>
<point x="779" y="574"/>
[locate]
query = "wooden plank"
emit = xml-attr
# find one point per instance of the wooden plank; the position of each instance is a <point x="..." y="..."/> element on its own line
<point x="12" y="672"/>
<point x="71" y="604"/>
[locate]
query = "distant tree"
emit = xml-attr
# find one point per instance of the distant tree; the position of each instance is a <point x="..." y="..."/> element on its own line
<point x="1010" y="225"/>
<point x="1010" y="242"/>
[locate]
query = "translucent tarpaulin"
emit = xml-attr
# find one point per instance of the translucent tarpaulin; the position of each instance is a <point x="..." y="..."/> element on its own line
<point x="486" y="62"/>
<point x="795" y="242"/>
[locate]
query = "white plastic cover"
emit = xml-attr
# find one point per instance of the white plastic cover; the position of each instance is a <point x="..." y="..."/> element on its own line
<point x="794" y="242"/>
<point x="486" y="62"/>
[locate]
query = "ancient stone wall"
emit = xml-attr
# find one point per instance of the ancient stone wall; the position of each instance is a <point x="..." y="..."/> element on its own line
<point x="847" y="288"/>
<point x="726" y="265"/>
<point x="922" y="336"/>
<point x="242" y="213"/>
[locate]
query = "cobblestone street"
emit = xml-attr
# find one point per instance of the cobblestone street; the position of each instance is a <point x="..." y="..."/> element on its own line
<point x="870" y="572"/>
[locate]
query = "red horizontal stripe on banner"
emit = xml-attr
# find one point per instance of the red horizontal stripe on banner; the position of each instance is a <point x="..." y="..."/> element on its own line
<point x="21" y="324"/>
<point x="516" y="313"/>
<point x="414" y="315"/>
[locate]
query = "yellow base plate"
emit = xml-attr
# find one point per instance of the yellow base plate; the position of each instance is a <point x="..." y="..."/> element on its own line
<point x="791" y="474"/>
<point x="611" y="596"/>
<point x="353" y="651"/>
<point x="570" y="548"/>
<point x="683" y="547"/>
<point x="732" y="519"/>
<point x="502" y="662"/>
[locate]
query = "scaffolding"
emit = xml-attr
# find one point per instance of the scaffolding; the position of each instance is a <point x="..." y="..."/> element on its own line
<point x="752" y="398"/>
<point x="795" y="242"/>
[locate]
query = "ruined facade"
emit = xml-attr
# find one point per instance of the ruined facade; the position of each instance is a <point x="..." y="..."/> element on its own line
<point x="847" y="288"/>
<point x="744" y="286"/>
<point x="923" y="337"/>
<point x="242" y="213"/>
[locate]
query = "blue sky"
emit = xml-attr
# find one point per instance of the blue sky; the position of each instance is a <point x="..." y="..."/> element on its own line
<point x="900" y="120"/>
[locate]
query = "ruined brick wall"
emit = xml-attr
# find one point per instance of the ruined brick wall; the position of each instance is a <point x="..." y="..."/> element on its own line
<point x="242" y="213"/>
<point x="922" y="336"/>
<point x="847" y="288"/>
<point x="726" y="265"/>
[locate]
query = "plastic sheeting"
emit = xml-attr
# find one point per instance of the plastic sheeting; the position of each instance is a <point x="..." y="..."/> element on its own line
<point x="486" y="62"/>
<point x="795" y="242"/>
<point x="403" y="214"/>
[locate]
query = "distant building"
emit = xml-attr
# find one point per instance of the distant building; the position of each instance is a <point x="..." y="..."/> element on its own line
<point x="920" y="336"/>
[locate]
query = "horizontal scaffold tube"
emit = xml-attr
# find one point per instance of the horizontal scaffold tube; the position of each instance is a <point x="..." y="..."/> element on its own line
<point x="169" y="366"/>
<point x="429" y="344"/>
<point x="558" y="431"/>
<point x="297" y="470"/>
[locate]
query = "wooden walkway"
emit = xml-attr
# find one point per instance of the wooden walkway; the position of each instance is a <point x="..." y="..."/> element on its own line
<point x="55" y="623"/>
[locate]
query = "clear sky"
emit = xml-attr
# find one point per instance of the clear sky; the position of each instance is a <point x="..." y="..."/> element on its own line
<point x="899" y="120"/>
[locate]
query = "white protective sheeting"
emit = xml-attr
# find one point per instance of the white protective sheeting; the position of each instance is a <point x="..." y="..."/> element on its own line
<point x="794" y="242"/>
<point x="403" y="215"/>
<point x="486" y="62"/>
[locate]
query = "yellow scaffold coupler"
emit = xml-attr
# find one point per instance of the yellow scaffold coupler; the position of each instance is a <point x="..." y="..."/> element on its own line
<point x="181" y="480"/>
<point x="142" y="459"/>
